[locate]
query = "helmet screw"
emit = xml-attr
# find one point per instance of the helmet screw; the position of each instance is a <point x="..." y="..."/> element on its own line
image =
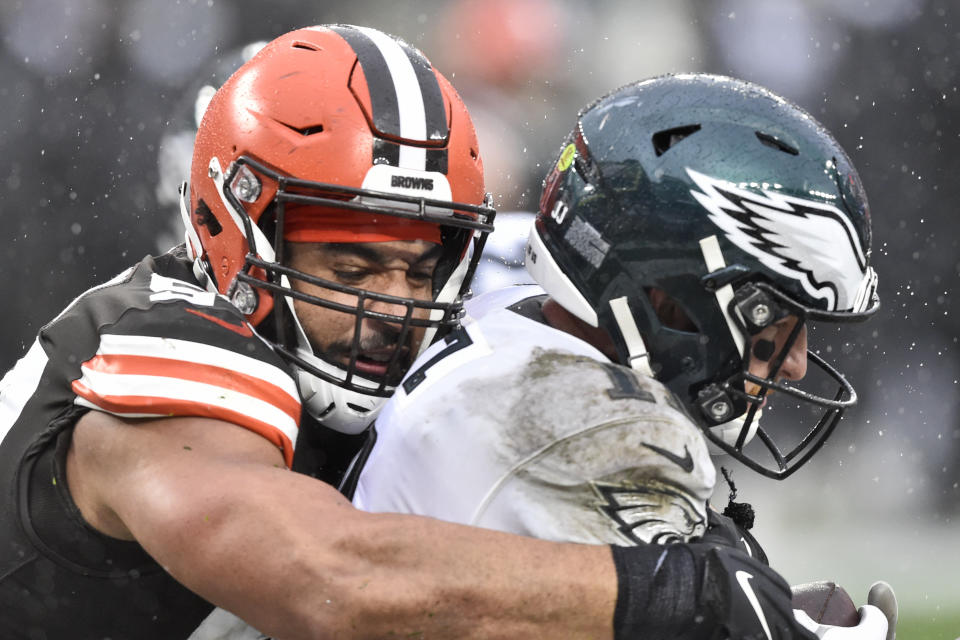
<point x="212" y="172"/>
<point x="760" y="314"/>
<point x="243" y="297"/>
<point x="720" y="410"/>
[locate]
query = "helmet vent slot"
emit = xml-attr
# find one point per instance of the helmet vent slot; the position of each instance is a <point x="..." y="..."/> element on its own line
<point x="299" y="44"/>
<point x="773" y="142"/>
<point x="665" y="140"/>
<point x="305" y="131"/>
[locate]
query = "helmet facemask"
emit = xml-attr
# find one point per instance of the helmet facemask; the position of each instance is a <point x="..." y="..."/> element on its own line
<point x="401" y="335"/>
<point x="823" y="393"/>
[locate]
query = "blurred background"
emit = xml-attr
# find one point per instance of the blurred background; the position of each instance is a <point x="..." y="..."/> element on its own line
<point x="98" y="101"/>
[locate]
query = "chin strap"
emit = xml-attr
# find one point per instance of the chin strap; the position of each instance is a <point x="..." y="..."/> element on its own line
<point x="638" y="357"/>
<point x="448" y="293"/>
<point x="713" y="257"/>
<point x="192" y="241"/>
<point x="190" y="237"/>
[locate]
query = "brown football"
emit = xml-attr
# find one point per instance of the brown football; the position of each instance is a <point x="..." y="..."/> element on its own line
<point x="826" y="602"/>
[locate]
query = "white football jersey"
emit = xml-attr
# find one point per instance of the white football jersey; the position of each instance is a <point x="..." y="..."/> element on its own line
<point x="513" y="425"/>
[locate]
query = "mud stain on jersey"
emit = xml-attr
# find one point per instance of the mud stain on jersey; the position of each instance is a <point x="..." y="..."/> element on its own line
<point x="567" y="436"/>
<point x="554" y="395"/>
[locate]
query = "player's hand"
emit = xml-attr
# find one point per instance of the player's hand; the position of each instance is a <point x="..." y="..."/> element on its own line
<point x="873" y="625"/>
<point x="701" y="591"/>
<point x="748" y="599"/>
<point x="722" y="530"/>
<point x="882" y="596"/>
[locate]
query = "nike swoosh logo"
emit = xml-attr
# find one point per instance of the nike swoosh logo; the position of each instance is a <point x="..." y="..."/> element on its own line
<point x="685" y="463"/>
<point x="240" y="329"/>
<point x="743" y="578"/>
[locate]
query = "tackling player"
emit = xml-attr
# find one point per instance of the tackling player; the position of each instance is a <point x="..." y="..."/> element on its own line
<point x="691" y="229"/>
<point x="148" y="435"/>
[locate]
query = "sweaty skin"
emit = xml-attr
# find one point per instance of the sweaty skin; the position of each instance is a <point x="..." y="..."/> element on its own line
<point x="402" y="268"/>
<point x="214" y="505"/>
<point x="795" y="365"/>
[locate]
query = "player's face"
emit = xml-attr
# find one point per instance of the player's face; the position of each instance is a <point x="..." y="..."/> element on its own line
<point x="402" y="268"/>
<point x="767" y="345"/>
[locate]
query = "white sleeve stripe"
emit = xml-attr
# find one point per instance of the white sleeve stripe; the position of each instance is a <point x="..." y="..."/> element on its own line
<point x="187" y="371"/>
<point x="116" y="387"/>
<point x="18" y="386"/>
<point x="197" y="353"/>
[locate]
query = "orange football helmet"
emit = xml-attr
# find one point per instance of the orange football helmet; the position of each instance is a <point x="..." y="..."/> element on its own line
<point x="359" y="127"/>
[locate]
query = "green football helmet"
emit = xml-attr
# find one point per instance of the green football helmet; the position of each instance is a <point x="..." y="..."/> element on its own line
<point x="742" y="209"/>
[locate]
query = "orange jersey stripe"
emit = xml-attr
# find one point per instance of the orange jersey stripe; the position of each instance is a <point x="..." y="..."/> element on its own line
<point x="169" y="408"/>
<point x="196" y="372"/>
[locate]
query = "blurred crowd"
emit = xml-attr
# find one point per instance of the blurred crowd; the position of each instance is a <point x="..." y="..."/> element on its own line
<point x="99" y="99"/>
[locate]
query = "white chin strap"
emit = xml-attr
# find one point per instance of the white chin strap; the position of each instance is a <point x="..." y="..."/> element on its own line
<point x="192" y="241"/>
<point x="190" y="237"/>
<point x="729" y="432"/>
<point x="637" y="356"/>
<point x="448" y="293"/>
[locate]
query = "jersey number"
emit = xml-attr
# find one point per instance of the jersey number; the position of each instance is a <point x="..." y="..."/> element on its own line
<point x="625" y="386"/>
<point x="454" y="342"/>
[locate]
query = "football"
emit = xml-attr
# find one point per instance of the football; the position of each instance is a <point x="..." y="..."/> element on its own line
<point x="826" y="602"/>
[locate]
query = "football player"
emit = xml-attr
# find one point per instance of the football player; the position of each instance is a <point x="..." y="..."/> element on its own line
<point x="161" y="440"/>
<point x="691" y="229"/>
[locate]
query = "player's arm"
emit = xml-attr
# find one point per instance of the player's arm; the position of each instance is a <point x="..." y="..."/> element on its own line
<point x="214" y="504"/>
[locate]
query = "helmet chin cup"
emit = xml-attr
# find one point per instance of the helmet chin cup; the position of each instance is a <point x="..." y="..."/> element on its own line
<point x="725" y="434"/>
<point x="340" y="409"/>
<point x="729" y="433"/>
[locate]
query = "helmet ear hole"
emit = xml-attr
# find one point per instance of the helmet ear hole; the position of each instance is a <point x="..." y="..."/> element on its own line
<point x="669" y="311"/>
<point x="205" y="218"/>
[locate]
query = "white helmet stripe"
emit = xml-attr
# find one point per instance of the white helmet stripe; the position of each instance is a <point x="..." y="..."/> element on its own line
<point x="413" y="121"/>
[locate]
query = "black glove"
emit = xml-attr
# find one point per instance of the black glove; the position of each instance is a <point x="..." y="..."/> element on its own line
<point x="700" y="591"/>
